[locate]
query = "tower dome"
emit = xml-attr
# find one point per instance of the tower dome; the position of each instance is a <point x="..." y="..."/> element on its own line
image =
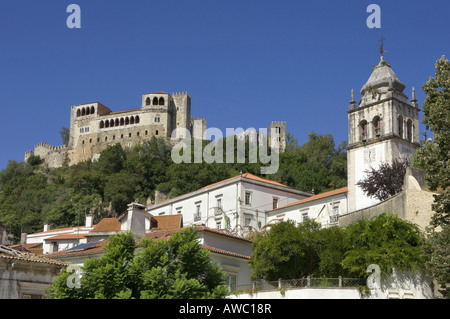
<point x="383" y="78"/>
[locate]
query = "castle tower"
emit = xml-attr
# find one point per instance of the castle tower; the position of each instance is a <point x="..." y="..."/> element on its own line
<point x="182" y="102"/>
<point x="382" y="128"/>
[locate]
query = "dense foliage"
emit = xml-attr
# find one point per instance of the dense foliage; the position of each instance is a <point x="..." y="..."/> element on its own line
<point x="386" y="180"/>
<point x="290" y="251"/>
<point x="32" y="195"/>
<point x="434" y="157"/>
<point x="177" y="268"/>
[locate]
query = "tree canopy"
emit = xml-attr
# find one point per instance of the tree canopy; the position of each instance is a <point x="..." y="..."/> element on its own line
<point x="177" y="268"/>
<point x="290" y="251"/>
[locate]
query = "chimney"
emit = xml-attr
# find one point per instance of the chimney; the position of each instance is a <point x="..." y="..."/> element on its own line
<point x="23" y="238"/>
<point x="46" y="227"/>
<point x="89" y="219"/>
<point x="135" y="219"/>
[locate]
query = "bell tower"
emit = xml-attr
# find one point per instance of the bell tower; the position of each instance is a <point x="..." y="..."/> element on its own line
<point x="382" y="127"/>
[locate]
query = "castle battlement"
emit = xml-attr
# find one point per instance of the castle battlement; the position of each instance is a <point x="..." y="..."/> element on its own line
<point x="94" y="127"/>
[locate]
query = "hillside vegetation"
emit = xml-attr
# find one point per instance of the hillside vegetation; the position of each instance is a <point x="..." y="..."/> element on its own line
<point x="32" y="195"/>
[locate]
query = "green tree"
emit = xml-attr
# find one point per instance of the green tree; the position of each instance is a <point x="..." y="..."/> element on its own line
<point x="174" y="269"/>
<point x="287" y="251"/>
<point x="112" y="159"/>
<point x="388" y="241"/>
<point x="434" y="157"/>
<point x="65" y="135"/>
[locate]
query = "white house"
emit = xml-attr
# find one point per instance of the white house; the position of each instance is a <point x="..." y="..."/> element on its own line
<point x="323" y="208"/>
<point x="237" y="204"/>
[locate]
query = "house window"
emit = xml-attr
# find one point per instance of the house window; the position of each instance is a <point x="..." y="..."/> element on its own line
<point x="305" y="216"/>
<point x="275" y="203"/>
<point x="247" y="222"/>
<point x="232" y="282"/>
<point x="248" y="198"/>
<point x="197" y="215"/>
<point x="219" y="225"/>
<point x="218" y="208"/>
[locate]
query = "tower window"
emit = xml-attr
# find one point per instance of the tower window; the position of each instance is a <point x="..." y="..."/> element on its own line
<point x="156" y="132"/>
<point x="92" y="110"/>
<point x="78" y="112"/>
<point x="137" y="120"/>
<point x="147" y="101"/>
<point x="409" y="130"/>
<point x="377" y="125"/>
<point x="363" y="129"/>
<point x="155" y="101"/>
<point x="122" y="121"/>
<point x="161" y="101"/>
<point x="400" y="126"/>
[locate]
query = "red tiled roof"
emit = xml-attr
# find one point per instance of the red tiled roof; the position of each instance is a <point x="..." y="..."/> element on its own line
<point x="119" y="112"/>
<point x="246" y="175"/>
<point x="318" y="196"/>
<point x="223" y="252"/>
<point x="107" y="224"/>
<point x="168" y="221"/>
<point x="67" y="236"/>
<point x="250" y="176"/>
<point x="90" y="250"/>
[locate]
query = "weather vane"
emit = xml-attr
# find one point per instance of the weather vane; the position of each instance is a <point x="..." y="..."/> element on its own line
<point x="381" y="47"/>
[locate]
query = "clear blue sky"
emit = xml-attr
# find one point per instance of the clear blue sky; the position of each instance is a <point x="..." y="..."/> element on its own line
<point x="245" y="63"/>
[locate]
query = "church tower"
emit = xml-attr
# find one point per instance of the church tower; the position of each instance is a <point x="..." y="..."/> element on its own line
<point x="383" y="127"/>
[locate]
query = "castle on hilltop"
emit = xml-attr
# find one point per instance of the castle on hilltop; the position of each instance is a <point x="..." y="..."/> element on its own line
<point x="94" y="127"/>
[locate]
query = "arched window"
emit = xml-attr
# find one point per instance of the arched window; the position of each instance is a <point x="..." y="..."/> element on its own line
<point x="376" y="122"/>
<point x="363" y="130"/>
<point x="132" y="120"/>
<point x="155" y="101"/>
<point x="127" y="121"/>
<point x="409" y="132"/>
<point x="106" y="124"/>
<point x="400" y="126"/>
<point x="137" y="119"/>
<point x="147" y="101"/>
<point x="78" y="112"/>
<point x="161" y="101"/>
<point x="116" y="122"/>
<point x="157" y="119"/>
<point x="122" y="121"/>
<point x="156" y="132"/>
<point x="83" y="112"/>
<point x="88" y="110"/>
<point x="146" y="132"/>
<point x="92" y="110"/>
<point x="137" y="134"/>
<point x="111" y="123"/>
<point x="102" y="124"/>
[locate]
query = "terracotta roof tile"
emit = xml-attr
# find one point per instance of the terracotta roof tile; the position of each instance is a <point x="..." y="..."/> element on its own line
<point x="224" y="252"/>
<point x="90" y="250"/>
<point x="107" y="224"/>
<point x="168" y="221"/>
<point x="316" y="197"/>
<point x="67" y="236"/>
